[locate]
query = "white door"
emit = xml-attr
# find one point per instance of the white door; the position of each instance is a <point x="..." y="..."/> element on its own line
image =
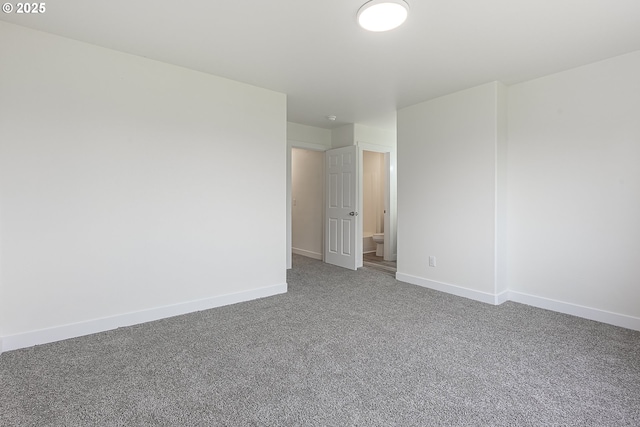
<point x="341" y="207"/>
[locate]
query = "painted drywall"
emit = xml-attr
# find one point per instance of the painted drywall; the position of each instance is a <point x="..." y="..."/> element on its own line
<point x="308" y="134"/>
<point x="391" y="246"/>
<point x="574" y="186"/>
<point x="371" y="135"/>
<point x="447" y="191"/>
<point x="343" y="136"/>
<point x="502" y="149"/>
<point x="127" y="184"/>
<point x="307" y="184"/>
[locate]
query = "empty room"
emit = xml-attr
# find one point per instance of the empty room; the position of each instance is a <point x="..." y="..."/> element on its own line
<point x="187" y="207"/>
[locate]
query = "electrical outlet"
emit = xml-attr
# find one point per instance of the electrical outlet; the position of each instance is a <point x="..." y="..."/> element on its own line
<point x="432" y="261"/>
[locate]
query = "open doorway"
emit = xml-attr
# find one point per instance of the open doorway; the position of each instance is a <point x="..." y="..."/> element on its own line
<point x="310" y="246"/>
<point x="376" y="210"/>
<point x="307" y="207"/>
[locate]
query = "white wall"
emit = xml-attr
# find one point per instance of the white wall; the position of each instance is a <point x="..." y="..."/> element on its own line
<point x="343" y="136"/>
<point x="304" y="134"/>
<point x="502" y="165"/>
<point x="130" y="186"/>
<point x="307" y="211"/>
<point x="574" y="186"/>
<point x="371" y="135"/>
<point x="559" y="194"/>
<point x="447" y="185"/>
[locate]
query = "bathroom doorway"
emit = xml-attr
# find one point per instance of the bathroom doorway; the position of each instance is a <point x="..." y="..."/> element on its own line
<point x="378" y="206"/>
<point x="373" y="197"/>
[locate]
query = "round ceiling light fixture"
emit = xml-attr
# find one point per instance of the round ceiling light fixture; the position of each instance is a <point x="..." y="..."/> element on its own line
<point x="383" y="15"/>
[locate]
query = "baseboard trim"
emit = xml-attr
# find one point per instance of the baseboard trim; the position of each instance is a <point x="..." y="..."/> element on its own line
<point x="616" y="319"/>
<point x="502" y="297"/>
<point x="450" y="289"/>
<point x="308" y="254"/>
<point x="59" y="333"/>
<point x="598" y="315"/>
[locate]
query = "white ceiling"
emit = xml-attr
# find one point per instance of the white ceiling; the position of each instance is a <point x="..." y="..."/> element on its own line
<point x="315" y="53"/>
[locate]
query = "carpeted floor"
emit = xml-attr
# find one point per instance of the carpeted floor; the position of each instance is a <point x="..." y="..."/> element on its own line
<point x="341" y="348"/>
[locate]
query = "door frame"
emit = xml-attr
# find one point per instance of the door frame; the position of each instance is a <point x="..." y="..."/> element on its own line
<point x="390" y="199"/>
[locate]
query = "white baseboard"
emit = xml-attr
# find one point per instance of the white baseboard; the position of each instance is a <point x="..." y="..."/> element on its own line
<point x="603" y="316"/>
<point x="502" y="297"/>
<point x="308" y="254"/>
<point x="58" y="333"/>
<point x="450" y="289"/>
<point x="598" y="315"/>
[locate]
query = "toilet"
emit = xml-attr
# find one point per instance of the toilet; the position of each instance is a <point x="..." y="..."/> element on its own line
<point x="378" y="238"/>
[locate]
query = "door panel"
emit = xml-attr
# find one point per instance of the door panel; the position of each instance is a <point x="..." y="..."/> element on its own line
<point x="346" y="234"/>
<point x="333" y="191"/>
<point x="341" y="207"/>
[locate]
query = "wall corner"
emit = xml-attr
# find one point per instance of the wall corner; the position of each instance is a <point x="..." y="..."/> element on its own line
<point x="501" y="160"/>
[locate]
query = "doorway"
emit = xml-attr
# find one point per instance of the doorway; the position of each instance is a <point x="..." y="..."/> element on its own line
<point x="375" y="208"/>
<point x="390" y="215"/>
<point x="307" y="195"/>
<point x="377" y="191"/>
<point x="308" y="200"/>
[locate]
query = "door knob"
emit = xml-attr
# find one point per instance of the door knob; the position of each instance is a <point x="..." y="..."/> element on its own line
<point x="353" y="213"/>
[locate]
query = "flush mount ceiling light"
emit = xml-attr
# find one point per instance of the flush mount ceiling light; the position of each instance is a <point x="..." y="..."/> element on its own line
<point x="382" y="15"/>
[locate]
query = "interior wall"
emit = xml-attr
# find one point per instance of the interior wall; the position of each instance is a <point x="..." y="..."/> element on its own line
<point x="343" y="136"/>
<point x="307" y="184"/>
<point x="371" y="135"/>
<point x="304" y="134"/>
<point x="502" y="168"/>
<point x="447" y="191"/>
<point x="128" y="184"/>
<point x="574" y="186"/>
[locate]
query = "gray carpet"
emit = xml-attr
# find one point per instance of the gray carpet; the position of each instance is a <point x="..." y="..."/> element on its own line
<point x="341" y="348"/>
